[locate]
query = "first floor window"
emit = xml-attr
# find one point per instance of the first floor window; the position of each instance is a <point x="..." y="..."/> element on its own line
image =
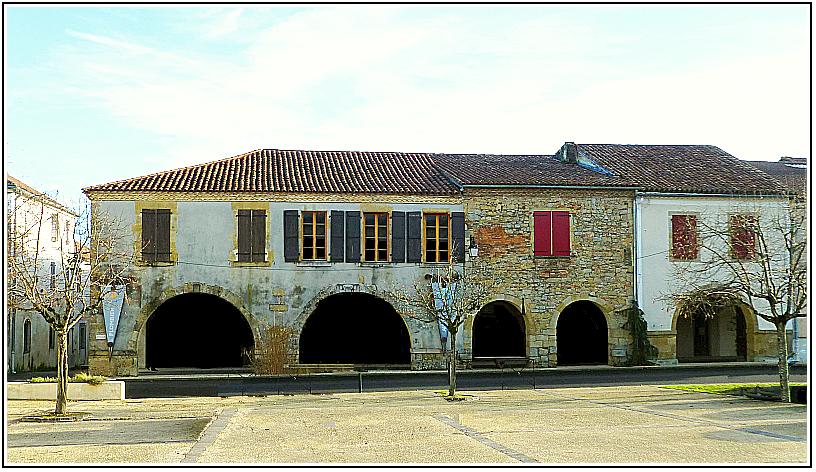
<point x="742" y="230"/>
<point x="551" y="233"/>
<point x="156" y="235"/>
<point x="26" y="336"/>
<point x="437" y="237"/>
<point x="684" y="237"/>
<point x="251" y="235"/>
<point x="376" y="237"/>
<point x="314" y="235"/>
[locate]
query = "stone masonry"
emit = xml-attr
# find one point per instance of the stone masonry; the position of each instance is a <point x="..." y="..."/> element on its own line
<point x="599" y="269"/>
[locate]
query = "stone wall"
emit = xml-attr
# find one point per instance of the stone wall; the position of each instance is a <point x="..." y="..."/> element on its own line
<point x="599" y="268"/>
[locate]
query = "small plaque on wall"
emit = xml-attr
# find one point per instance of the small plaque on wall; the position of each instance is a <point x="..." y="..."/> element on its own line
<point x="100" y="336"/>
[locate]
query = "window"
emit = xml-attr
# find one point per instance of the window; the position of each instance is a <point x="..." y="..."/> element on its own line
<point x="437" y="237"/>
<point x="375" y="243"/>
<point x="251" y="235"/>
<point x="684" y="237"/>
<point x="742" y="229"/>
<point x="551" y="233"/>
<point x="314" y="235"/>
<point x="156" y="235"/>
<point x="54" y="227"/>
<point x="68" y="232"/>
<point x="53" y="275"/>
<point x="50" y="337"/>
<point x="26" y="336"/>
<point x="82" y="336"/>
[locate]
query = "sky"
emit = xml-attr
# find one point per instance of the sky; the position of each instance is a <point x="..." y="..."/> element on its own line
<point x="97" y="94"/>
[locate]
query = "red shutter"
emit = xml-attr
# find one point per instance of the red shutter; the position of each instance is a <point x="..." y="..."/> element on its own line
<point x="542" y="231"/>
<point x="743" y="236"/>
<point x="561" y="233"/>
<point x="684" y="237"/>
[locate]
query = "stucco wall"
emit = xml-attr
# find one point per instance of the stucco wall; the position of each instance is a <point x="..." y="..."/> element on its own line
<point x="279" y="292"/>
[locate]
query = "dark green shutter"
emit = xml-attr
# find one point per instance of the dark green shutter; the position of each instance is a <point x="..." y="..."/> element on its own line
<point x="458" y="235"/>
<point x="291" y="248"/>
<point x="415" y="236"/>
<point x="148" y="235"/>
<point x="352" y="236"/>
<point x="337" y="228"/>
<point x="397" y="236"/>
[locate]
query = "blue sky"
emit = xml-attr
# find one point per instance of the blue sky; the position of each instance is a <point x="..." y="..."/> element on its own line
<point x="95" y="94"/>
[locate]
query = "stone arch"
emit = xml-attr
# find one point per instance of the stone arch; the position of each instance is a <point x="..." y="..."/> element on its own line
<point x="300" y="321"/>
<point x="751" y="327"/>
<point x="606" y="311"/>
<point x="137" y="339"/>
<point x="521" y="305"/>
<point x="603" y="305"/>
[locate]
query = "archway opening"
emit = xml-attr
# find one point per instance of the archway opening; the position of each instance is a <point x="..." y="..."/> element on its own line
<point x="355" y="328"/>
<point x="719" y="338"/>
<point x="197" y="330"/>
<point x="581" y="335"/>
<point x="498" y="331"/>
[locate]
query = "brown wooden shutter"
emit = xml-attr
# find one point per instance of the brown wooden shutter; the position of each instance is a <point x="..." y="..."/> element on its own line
<point x="258" y="236"/>
<point x="244" y="235"/>
<point x="163" y="235"/>
<point x="291" y="247"/>
<point x="149" y="235"/>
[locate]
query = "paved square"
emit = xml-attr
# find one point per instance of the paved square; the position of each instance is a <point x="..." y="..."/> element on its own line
<point x="575" y="425"/>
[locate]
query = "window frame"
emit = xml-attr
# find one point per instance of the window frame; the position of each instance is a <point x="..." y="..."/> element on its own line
<point x="671" y="253"/>
<point x="376" y="236"/>
<point x="437" y="214"/>
<point x="314" y="246"/>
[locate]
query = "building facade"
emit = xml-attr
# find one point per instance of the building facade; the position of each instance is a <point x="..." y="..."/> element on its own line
<point x="45" y="222"/>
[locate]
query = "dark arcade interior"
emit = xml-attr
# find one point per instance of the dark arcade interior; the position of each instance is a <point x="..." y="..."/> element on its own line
<point x="581" y="335"/>
<point x="498" y="331"/>
<point x="355" y="328"/>
<point x="197" y="330"/>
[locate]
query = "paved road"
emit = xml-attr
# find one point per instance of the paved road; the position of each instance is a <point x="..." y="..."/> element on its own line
<point x="631" y="424"/>
<point x="204" y="383"/>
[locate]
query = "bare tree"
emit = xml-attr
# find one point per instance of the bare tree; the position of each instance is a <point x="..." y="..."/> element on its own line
<point x="57" y="284"/>
<point x="761" y="265"/>
<point x="447" y="298"/>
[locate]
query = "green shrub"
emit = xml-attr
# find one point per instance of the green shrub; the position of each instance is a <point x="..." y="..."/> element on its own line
<point x="78" y="378"/>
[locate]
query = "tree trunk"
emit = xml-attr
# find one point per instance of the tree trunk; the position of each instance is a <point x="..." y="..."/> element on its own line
<point x="452" y="365"/>
<point x="62" y="372"/>
<point x="782" y="350"/>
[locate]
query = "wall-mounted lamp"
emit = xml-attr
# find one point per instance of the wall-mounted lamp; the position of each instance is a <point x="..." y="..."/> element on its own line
<point x="473" y="248"/>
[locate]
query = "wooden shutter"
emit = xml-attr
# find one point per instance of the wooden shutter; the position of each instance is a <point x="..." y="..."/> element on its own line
<point x="352" y="236"/>
<point x="684" y="237"/>
<point x="397" y="236"/>
<point x="163" y="235"/>
<point x="542" y="233"/>
<point x="148" y="235"/>
<point x="415" y="236"/>
<point x="291" y="248"/>
<point x="258" y="236"/>
<point x="742" y="236"/>
<point x="337" y="230"/>
<point x="244" y="235"/>
<point x="561" y="233"/>
<point x="458" y="235"/>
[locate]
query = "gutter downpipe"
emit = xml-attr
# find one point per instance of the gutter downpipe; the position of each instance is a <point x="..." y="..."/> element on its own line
<point x="638" y="286"/>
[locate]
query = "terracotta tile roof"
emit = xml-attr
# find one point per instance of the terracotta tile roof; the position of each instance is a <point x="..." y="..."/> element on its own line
<point x="13" y="183"/>
<point x="544" y="170"/>
<point x="681" y="168"/>
<point x="791" y="171"/>
<point x="287" y="171"/>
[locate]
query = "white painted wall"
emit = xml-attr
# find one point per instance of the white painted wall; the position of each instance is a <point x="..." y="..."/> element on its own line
<point x="655" y="272"/>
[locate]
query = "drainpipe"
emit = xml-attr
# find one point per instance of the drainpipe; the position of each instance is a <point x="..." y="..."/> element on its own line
<point x="638" y="286"/>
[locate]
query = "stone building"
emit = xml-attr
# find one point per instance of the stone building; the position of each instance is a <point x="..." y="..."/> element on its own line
<point x="315" y="240"/>
<point x="31" y="341"/>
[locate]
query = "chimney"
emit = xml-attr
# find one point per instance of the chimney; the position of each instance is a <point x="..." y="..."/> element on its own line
<point x="568" y="153"/>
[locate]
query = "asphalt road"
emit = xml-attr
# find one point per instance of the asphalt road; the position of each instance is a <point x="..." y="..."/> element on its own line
<point x="209" y="384"/>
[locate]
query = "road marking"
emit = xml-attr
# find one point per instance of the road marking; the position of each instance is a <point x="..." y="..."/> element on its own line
<point x="473" y="434"/>
<point x="208" y="435"/>
<point x="701" y="421"/>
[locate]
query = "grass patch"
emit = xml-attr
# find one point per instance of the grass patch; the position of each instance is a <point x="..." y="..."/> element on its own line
<point x="78" y="378"/>
<point x="725" y="389"/>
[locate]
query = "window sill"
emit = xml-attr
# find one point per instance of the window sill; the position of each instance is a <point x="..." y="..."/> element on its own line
<point x="313" y="264"/>
<point x="250" y="264"/>
<point x="555" y="257"/>
<point x="375" y="263"/>
<point x="155" y="264"/>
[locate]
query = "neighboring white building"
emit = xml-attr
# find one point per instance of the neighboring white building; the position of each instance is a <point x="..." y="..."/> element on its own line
<point x="31" y="342"/>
